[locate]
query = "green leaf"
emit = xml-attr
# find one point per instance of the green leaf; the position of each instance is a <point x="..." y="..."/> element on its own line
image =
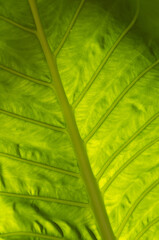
<point x="79" y="97"/>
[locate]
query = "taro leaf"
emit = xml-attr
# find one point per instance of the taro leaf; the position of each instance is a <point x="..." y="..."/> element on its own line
<point x="79" y="97"/>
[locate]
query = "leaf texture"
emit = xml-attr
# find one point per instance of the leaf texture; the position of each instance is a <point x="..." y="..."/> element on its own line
<point x="79" y="108"/>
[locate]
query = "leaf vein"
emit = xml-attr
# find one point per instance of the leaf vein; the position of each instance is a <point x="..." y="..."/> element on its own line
<point x="38" y="123"/>
<point x="140" y="234"/>
<point x="43" y="236"/>
<point x="92" y="188"/>
<point x="89" y="84"/>
<point x="47" y="199"/>
<point x="42" y="165"/>
<point x="137" y="154"/>
<point x="69" y="28"/>
<point x="133" y="207"/>
<point x="118" y="151"/>
<point x="117" y="100"/>
<point x="40" y="82"/>
<point x="18" y="25"/>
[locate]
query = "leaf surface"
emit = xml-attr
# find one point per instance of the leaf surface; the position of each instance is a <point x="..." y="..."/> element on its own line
<point x="79" y="90"/>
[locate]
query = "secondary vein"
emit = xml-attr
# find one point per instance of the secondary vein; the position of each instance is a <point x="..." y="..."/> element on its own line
<point x="41" y="198"/>
<point x="43" y="236"/>
<point x="140" y="234"/>
<point x="129" y="161"/>
<point x="22" y="75"/>
<point x="18" y="25"/>
<point x="117" y="100"/>
<point x="42" y="165"/>
<point x="69" y="28"/>
<point x="134" y="206"/>
<point x="124" y="145"/>
<point x="36" y="122"/>
<point x="89" y="84"/>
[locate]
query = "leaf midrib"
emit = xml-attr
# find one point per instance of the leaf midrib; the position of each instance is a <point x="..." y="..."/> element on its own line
<point x="96" y="201"/>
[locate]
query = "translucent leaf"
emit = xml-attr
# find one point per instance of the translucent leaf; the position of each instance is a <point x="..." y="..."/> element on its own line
<point x="79" y="98"/>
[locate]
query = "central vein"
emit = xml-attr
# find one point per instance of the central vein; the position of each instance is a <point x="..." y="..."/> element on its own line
<point x="96" y="201"/>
